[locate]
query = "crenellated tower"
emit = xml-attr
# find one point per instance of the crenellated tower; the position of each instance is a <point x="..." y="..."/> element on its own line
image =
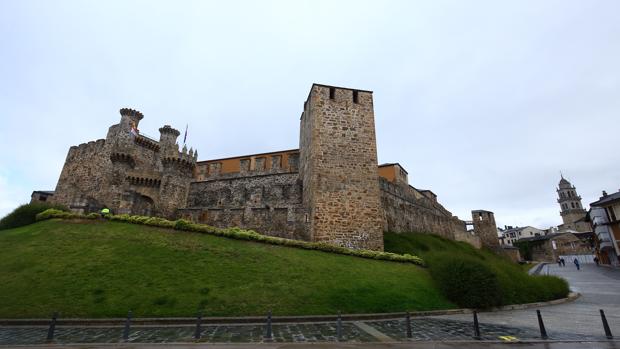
<point x="485" y="228"/>
<point x="177" y="171"/>
<point x="338" y="167"/>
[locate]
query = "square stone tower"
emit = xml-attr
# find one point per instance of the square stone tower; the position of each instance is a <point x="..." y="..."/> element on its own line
<point x="338" y="167"/>
<point x="486" y="228"/>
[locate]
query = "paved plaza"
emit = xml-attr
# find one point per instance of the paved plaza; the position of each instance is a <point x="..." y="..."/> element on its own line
<point x="573" y="321"/>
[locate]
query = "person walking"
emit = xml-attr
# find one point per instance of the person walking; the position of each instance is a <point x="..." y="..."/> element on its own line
<point x="563" y="262"/>
<point x="576" y="263"/>
<point x="559" y="262"/>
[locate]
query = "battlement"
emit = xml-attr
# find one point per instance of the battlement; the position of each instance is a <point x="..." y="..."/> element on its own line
<point x="169" y="130"/>
<point x="144" y="181"/>
<point x="146" y="142"/>
<point x="92" y="146"/>
<point x="123" y="158"/>
<point x="134" y="114"/>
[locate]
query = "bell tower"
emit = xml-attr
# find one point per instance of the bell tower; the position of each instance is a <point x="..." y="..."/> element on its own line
<point x="570" y="205"/>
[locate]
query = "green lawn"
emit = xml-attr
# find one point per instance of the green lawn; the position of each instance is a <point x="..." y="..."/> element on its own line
<point x="103" y="269"/>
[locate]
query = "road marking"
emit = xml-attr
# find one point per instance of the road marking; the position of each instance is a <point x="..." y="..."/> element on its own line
<point x="382" y="337"/>
<point x="509" y="338"/>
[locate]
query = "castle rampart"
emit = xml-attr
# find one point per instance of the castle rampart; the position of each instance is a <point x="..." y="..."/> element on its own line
<point x="330" y="190"/>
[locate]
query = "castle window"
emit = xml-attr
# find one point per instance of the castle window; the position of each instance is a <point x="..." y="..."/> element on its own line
<point x="572" y="204"/>
<point x="355" y="99"/>
<point x="332" y="93"/>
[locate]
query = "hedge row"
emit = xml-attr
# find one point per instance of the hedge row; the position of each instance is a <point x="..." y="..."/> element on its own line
<point x="26" y="214"/>
<point x="238" y="234"/>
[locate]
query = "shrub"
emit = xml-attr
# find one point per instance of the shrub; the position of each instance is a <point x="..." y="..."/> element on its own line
<point x="93" y="215"/>
<point x="182" y="224"/>
<point x="465" y="281"/>
<point x="554" y="286"/>
<point x="26" y="214"/>
<point x="241" y="234"/>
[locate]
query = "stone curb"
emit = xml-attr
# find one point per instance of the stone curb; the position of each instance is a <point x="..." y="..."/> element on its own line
<point x="288" y="344"/>
<point x="276" y="319"/>
<point x="537" y="268"/>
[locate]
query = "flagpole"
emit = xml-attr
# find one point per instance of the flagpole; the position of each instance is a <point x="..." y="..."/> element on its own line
<point x="185" y="137"/>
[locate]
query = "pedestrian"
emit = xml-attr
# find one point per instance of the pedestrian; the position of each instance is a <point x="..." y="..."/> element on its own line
<point x="596" y="261"/>
<point x="563" y="262"/>
<point x="576" y="263"/>
<point x="559" y="262"/>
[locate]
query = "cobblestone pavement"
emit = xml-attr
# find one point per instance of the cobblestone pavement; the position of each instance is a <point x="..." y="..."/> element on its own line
<point x="317" y="332"/>
<point x="423" y="329"/>
<point x="599" y="288"/>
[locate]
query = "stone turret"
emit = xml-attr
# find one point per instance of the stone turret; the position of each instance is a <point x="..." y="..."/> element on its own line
<point x="168" y="141"/>
<point x="178" y="168"/>
<point x="129" y="116"/>
<point x="485" y="228"/>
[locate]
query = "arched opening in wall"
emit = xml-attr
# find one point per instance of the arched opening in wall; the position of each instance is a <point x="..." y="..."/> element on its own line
<point x="142" y="205"/>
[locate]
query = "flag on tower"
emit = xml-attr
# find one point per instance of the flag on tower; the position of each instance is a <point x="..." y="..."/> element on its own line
<point x="185" y="137"/>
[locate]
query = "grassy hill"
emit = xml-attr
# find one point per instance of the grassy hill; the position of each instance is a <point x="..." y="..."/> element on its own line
<point x="102" y="269"/>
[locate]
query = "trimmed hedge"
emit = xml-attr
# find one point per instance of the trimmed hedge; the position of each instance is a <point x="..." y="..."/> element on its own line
<point x="466" y="281"/>
<point x="239" y="234"/>
<point x="26" y="214"/>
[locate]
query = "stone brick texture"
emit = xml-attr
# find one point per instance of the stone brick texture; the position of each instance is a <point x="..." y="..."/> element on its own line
<point x="270" y="203"/>
<point x="339" y="168"/>
<point x="127" y="173"/>
<point x="328" y="191"/>
<point x="486" y="228"/>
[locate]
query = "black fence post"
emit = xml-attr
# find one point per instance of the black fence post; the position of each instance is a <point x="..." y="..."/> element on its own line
<point x="543" y="331"/>
<point x="339" y="327"/>
<point x="127" y="327"/>
<point x="268" y="333"/>
<point x="197" y="333"/>
<point x="606" y="325"/>
<point x="52" y="328"/>
<point x="476" y="326"/>
<point x="408" y="325"/>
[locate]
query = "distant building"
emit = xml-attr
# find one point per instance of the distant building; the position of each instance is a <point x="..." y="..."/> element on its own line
<point x="41" y="196"/>
<point x="509" y="235"/>
<point x="603" y="217"/>
<point x="550" y="247"/>
<point x="572" y="212"/>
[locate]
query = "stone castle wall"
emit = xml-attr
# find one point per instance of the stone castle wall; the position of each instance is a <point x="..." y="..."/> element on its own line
<point x="329" y="190"/>
<point x="339" y="168"/>
<point x="86" y="172"/>
<point x="404" y="211"/>
<point x="127" y="173"/>
<point x="270" y="203"/>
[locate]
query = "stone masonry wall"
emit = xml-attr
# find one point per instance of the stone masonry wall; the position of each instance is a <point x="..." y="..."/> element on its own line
<point x="486" y="228"/>
<point x="126" y="173"/>
<point x="406" y="212"/>
<point x="85" y="173"/>
<point x="338" y="165"/>
<point x="269" y="203"/>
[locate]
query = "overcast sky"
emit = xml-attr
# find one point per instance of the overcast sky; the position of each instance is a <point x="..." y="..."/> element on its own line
<point x="483" y="102"/>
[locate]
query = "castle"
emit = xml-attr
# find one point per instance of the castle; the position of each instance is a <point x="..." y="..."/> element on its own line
<point x="329" y="190"/>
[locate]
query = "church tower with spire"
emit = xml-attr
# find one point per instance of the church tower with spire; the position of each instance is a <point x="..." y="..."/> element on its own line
<point x="572" y="211"/>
